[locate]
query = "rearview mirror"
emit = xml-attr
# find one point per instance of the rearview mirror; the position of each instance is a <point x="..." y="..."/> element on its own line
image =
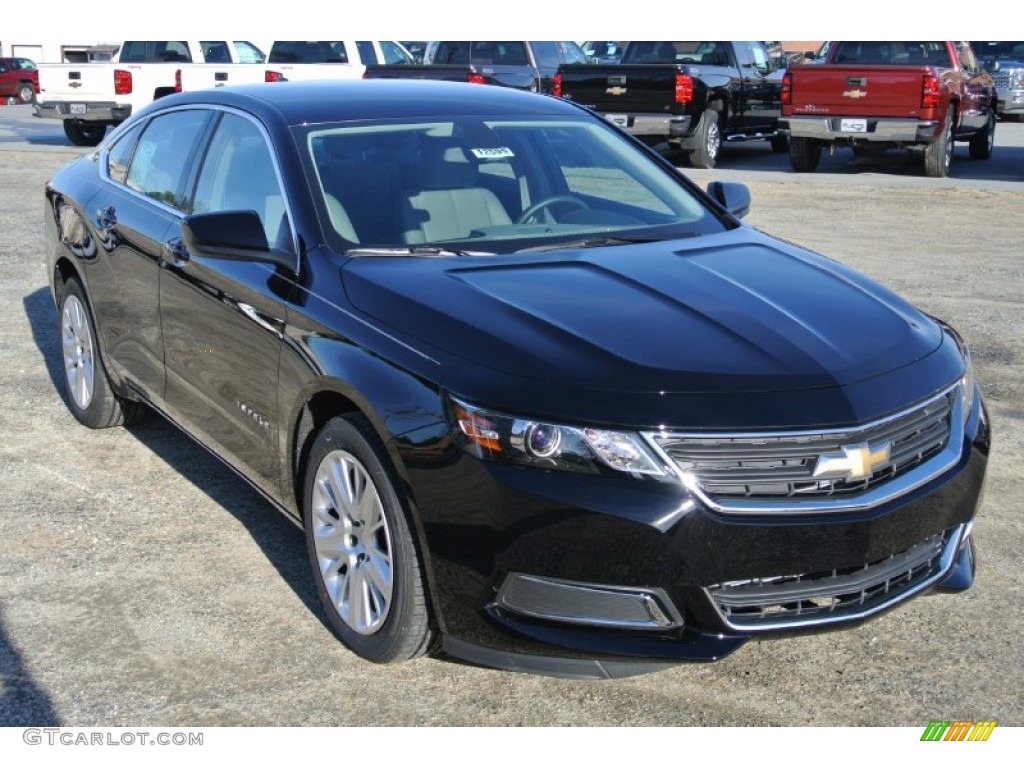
<point x="232" y="235"/>
<point x="735" y="198"/>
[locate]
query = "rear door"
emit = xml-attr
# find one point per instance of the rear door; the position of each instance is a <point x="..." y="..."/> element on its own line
<point x="761" y="94"/>
<point x="146" y="171"/>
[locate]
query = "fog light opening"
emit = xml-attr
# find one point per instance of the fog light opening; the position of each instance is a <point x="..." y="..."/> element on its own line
<point x="597" y="605"/>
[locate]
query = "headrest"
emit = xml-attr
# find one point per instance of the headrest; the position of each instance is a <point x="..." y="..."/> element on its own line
<point x="448" y="167"/>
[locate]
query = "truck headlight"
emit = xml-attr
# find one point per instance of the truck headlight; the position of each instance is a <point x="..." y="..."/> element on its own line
<point x="503" y="437"/>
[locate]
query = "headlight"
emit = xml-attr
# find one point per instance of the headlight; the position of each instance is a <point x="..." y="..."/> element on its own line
<point x="503" y="437"/>
<point x="968" y="387"/>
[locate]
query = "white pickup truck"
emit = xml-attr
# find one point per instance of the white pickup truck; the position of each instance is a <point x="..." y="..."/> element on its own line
<point x="90" y="97"/>
<point x="299" y="60"/>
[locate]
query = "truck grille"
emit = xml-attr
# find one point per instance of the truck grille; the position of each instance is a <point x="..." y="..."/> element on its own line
<point x="791" y="602"/>
<point x="1004" y="78"/>
<point x="797" y="467"/>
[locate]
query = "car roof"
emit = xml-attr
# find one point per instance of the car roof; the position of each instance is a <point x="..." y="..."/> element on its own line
<point x="329" y="100"/>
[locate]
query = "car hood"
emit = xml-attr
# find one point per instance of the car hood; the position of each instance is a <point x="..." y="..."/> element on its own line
<point x="728" y="313"/>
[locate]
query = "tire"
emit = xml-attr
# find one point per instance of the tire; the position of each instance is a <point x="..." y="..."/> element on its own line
<point x="709" y="141"/>
<point x="780" y="144"/>
<point x="938" y="156"/>
<point x="804" y="154"/>
<point x="26" y="93"/>
<point x="91" y="398"/>
<point x="366" y="566"/>
<point x="983" y="142"/>
<point x="83" y="134"/>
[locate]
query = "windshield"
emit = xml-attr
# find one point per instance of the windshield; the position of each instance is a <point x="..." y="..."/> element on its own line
<point x="993" y="51"/>
<point x="492" y="185"/>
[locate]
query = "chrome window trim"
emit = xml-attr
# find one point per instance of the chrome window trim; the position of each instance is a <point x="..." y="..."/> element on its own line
<point x="177" y="212"/>
<point x="946" y="562"/>
<point x="920" y="475"/>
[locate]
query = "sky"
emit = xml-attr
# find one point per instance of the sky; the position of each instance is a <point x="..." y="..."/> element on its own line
<point x="115" y="20"/>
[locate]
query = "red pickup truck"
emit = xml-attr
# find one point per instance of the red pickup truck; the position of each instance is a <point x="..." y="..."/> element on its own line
<point x="874" y="96"/>
<point x="18" y="78"/>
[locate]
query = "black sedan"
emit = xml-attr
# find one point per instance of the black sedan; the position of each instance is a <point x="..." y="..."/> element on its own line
<point x="537" y="401"/>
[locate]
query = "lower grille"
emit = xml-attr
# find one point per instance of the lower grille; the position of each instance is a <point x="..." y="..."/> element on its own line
<point x="791" y="602"/>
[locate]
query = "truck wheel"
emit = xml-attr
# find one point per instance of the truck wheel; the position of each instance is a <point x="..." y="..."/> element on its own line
<point x="938" y="155"/>
<point x="983" y="141"/>
<point x="804" y="154"/>
<point x="26" y="93"/>
<point x="709" y="141"/>
<point x="83" y="134"/>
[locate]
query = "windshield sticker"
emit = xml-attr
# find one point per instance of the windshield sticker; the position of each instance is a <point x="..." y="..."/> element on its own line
<point x="492" y="153"/>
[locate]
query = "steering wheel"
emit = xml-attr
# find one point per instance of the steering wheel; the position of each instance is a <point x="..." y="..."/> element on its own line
<point x="547" y="202"/>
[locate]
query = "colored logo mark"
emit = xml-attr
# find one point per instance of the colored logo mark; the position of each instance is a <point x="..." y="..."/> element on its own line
<point x="958" y="730"/>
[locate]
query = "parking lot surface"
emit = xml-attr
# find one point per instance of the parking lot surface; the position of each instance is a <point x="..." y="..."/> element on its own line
<point x="141" y="583"/>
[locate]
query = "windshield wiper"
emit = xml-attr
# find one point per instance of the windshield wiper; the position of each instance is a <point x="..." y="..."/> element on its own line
<point x="419" y="251"/>
<point x="601" y="242"/>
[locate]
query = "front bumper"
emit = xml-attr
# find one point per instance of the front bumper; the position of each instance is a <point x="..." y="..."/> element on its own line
<point x="86" y="112"/>
<point x="628" y="546"/>
<point x="890" y="130"/>
<point x="1010" y="102"/>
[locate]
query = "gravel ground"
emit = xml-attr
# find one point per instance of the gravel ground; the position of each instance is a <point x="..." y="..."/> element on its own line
<point x="143" y="584"/>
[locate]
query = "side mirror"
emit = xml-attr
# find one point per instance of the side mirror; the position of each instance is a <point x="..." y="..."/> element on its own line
<point x="735" y="198"/>
<point x="231" y="235"/>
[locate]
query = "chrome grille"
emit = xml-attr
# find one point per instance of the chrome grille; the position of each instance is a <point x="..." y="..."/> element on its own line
<point x="781" y="467"/>
<point x="789" y="602"/>
<point x="1007" y="78"/>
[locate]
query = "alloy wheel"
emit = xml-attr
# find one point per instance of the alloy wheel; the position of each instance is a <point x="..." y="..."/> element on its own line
<point x="352" y="542"/>
<point x="77" y="343"/>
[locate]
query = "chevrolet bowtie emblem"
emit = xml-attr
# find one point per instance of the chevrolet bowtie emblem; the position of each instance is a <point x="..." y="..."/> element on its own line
<point x="856" y="462"/>
<point x="855" y="94"/>
<point x="616" y="90"/>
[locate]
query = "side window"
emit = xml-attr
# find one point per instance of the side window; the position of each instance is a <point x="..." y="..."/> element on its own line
<point x="760" y="57"/>
<point x="455" y="52"/>
<point x="547" y="54"/>
<point x="366" y="53"/>
<point x="394" y="54"/>
<point x="3" y="67"/>
<point x="573" y="54"/>
<point x="121" y="154"/>
<point x="163" y="155"/>
<point x="248" y="53"/>
<point x="238" y="175"/>
<point x="215" y="51"/>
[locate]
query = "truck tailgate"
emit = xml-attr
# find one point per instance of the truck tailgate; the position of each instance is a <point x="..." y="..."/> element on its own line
<point x="876" y="91"/>
<point x="625" y="88"/>
<point x="76" y="82"/>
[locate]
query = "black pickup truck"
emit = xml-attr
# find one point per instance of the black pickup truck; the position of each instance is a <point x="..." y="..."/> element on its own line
<point x="527" y="66"/>
<point x="692" y="94"/>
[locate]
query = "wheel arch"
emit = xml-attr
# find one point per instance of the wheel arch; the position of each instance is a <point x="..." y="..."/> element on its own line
<point x="333" y="398"/>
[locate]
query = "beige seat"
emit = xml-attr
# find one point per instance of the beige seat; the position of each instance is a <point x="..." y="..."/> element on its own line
<point x="450" y="204"/>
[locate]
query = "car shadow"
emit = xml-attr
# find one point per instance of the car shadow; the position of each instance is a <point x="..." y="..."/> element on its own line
<point x="23" y="702"/>
<point x="281" y="542"/>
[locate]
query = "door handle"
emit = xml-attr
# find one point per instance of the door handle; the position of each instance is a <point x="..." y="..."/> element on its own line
<point x="106" y="219"/>
<point x="175" y="254"/>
